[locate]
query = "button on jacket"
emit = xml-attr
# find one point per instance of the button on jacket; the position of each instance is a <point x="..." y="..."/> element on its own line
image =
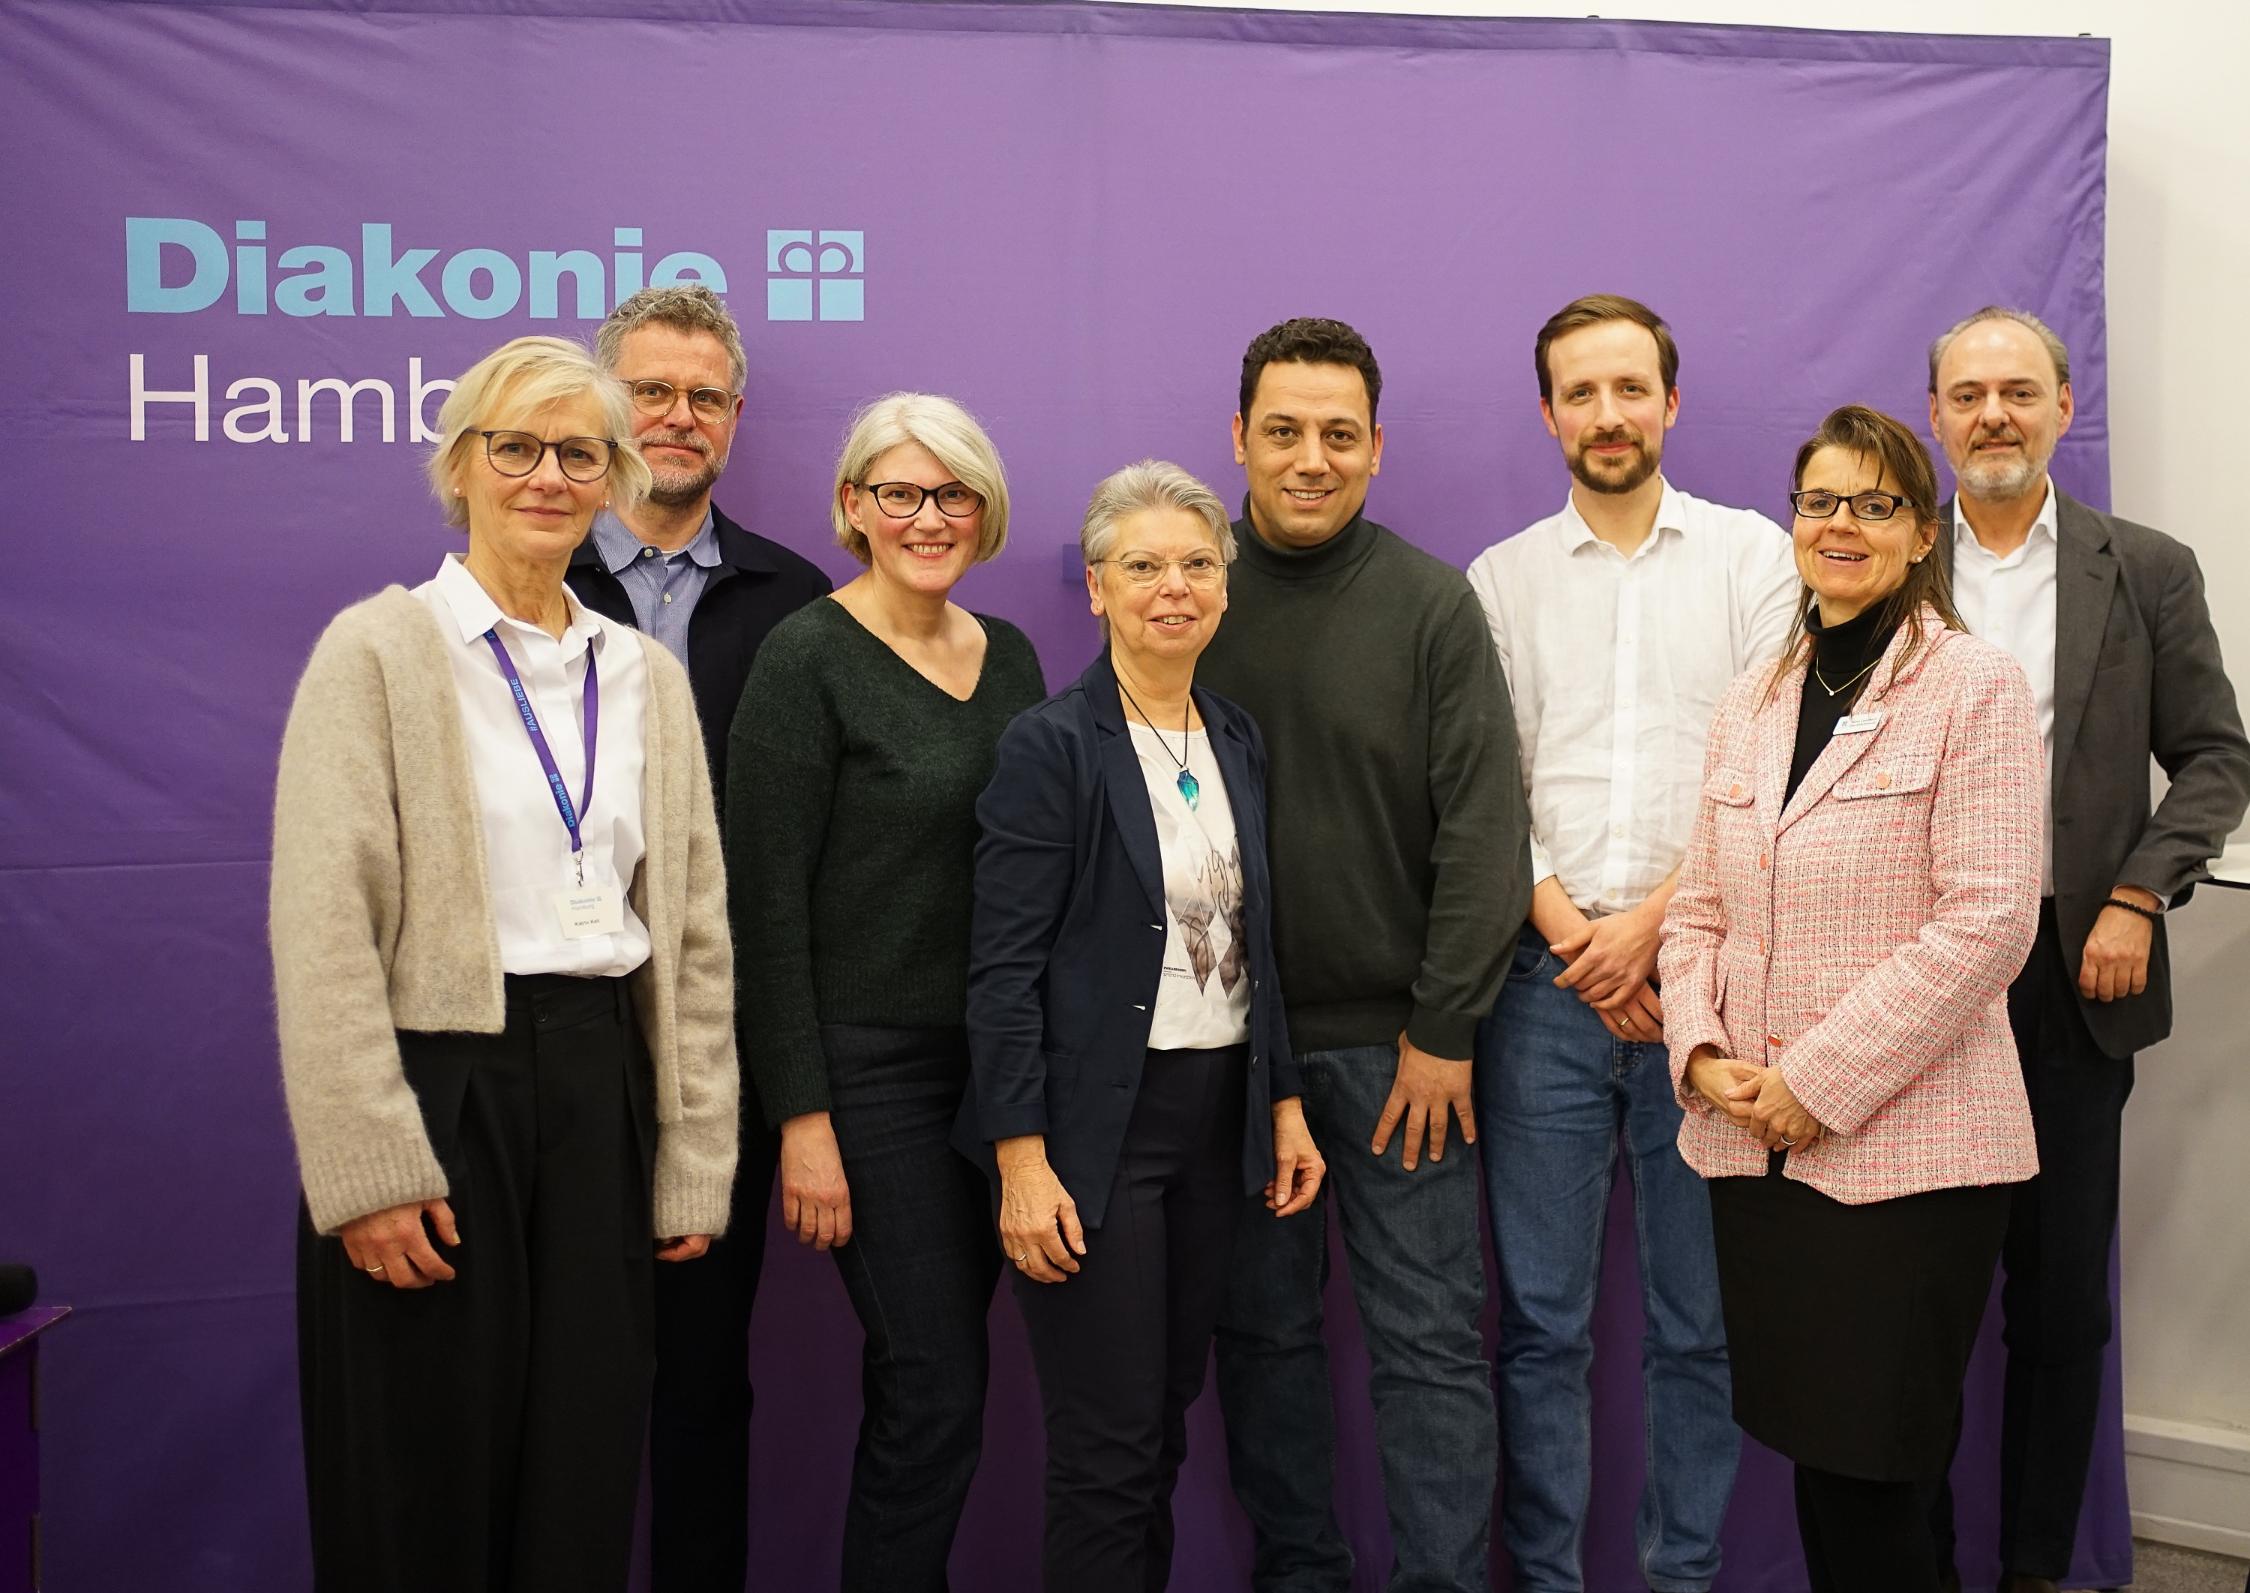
<point x="1067" y="947"/>
<point x="1864" y="935"/>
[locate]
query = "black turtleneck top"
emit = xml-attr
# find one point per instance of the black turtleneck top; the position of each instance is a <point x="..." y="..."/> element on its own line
<point x="1849" y="652"/>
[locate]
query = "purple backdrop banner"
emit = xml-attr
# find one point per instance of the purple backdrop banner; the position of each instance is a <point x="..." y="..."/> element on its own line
<point x="248" y="238"/>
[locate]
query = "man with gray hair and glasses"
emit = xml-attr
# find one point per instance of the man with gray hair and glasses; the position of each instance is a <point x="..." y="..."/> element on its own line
<point x="2109" y="622"/>
<point x="681" y="570"/>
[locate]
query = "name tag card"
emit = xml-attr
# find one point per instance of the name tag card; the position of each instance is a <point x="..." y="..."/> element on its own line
<point x="587" y="910"/>
<point x="1857" y="724"/>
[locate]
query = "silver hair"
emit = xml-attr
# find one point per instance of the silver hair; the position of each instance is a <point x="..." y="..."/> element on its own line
<point x="953" y="438"/>
<point x="519" y="378"/>
<point x="2001" y="312"/>
<point x="1140" y="487"/>
<point x="685" y="307"/>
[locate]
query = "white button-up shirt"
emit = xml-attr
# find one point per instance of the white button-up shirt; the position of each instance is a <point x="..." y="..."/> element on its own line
<point x="1615" y="665"/>
<point x="2010" y="602"/>
<point x="526" y="849"/>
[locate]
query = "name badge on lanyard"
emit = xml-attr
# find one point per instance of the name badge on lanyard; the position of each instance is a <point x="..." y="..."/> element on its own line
<point x="581" y="910"/>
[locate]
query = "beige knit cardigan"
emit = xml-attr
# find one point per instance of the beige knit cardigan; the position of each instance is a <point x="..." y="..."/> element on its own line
<point x="381" y="919"/>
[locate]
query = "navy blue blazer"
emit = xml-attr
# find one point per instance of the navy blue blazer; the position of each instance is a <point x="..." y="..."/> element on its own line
<point x="1067" y="942"/>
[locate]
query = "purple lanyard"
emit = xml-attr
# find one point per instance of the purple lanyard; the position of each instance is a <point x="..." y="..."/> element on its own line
<point x="572" y="817"/>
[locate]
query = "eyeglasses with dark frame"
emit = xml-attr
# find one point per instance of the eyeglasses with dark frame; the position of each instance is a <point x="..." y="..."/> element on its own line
<point x="517" y="453"/>
<point x="903" y="500"/>
<point x="652" y="397"/>
<point x="1870" y="506"/>
<point x="1146" y="569"/>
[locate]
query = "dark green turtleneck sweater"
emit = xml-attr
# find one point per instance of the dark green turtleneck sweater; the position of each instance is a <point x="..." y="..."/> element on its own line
<point x="1395" y="808"/>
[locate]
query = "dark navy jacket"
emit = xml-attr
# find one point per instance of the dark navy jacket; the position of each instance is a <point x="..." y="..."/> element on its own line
<point x="1067" y="945"/>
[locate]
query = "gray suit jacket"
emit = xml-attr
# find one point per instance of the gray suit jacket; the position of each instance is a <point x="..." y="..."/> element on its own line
<point x="2137" y="675"/>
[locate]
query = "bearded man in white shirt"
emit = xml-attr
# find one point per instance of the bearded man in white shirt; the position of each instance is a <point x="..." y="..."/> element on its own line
<point x="1619" y="620"/>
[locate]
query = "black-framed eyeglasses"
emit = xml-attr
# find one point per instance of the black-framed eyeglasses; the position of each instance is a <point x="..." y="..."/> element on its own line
<point x="652" y="397"/>
<point x="1146" y="569"/>
<point x="517" y="453"/>
<point x="1865" y="505"/>
<point x="903" y="500"/>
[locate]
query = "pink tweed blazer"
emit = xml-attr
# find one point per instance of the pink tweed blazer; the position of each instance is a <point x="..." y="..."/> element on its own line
<point x="1864" y="935"/>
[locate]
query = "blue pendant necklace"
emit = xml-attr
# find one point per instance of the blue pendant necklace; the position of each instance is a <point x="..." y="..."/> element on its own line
<point x="1185" y="780"/>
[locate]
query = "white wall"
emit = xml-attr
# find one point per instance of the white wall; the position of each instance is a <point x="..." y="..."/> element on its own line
<point x="2179" y="348"/>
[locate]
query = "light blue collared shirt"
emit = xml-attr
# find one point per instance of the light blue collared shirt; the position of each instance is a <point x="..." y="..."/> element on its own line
<point x="663" y="586"/>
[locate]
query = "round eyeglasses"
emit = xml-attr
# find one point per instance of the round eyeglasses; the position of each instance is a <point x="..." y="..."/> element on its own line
<point x="903" y="500"/>
<point x="652" y="397"/>
<point x="1865" y="505"/>
<point x="1146" y="569"/>
<point x="517" y="453"/>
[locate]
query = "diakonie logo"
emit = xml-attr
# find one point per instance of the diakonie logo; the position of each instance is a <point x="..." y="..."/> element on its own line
<point x="175" y="265"/>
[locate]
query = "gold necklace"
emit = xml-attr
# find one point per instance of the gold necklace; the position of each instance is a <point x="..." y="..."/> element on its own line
<point x="1840" y="689"/>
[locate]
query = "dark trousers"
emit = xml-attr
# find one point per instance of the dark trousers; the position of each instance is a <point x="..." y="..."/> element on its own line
<point x="2055" y="1295"/>
<point x="484" y="1435"/>
<point x="699" y="1418"/>
<point x="1865" y="1537"/>
<point x="1121" y="1347"/>
<point x="920" y="1269"/>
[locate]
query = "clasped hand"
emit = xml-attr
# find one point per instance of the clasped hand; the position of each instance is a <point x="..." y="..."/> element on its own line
<point x="1609" y="964"/>
<point x="1756" y="1099"/>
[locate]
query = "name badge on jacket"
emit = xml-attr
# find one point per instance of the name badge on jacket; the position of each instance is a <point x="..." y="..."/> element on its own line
<point x="1857" y="724"/>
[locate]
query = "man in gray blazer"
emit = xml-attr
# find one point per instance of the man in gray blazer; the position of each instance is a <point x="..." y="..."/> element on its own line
<point x="2109" y="621"/>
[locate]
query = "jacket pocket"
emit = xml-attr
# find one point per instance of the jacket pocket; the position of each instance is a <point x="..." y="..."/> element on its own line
<point x="1730" y="788"/>
<point x="1876" y="776"/>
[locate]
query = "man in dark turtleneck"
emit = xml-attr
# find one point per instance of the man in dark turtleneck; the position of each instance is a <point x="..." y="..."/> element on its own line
<point x="1401" y="875"/>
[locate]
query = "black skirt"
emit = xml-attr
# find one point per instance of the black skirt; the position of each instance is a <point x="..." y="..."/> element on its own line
<point x="1850" y="1327"/>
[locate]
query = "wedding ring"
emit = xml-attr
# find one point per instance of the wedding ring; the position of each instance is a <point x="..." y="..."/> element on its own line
<point x="1020" y="1260"/>
<point x="1786" y="1140"/>
<point x="376" y="1269"/>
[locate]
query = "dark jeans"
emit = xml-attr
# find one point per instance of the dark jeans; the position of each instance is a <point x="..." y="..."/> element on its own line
<point x="920" y="1269"/>
<point x="484" y="1435"/>
<point x="1121" y="1346"/>
<point x="1865" y="1537"/>
<point x="699" y="1419"/>
<point x="2055" y="1296"/>
<point x="1417" y="1269"/>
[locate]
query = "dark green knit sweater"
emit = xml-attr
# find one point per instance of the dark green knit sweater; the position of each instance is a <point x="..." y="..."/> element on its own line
<point x="851" y="821"/>
<point x="1395" y="810"/>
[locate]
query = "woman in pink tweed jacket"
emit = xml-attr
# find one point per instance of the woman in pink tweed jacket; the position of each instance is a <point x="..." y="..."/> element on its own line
<point x="1861" y="886"/>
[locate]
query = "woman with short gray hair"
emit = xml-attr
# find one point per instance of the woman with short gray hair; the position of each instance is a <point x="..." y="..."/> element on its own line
<point x="1134" y="1091"/>
<point x="865" y="732"/>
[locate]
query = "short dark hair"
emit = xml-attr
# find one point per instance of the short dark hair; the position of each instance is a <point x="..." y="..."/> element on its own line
<point x="1929" y="583"/>
<point x="1309" y="340"/>
<point x="1593" y="310"/>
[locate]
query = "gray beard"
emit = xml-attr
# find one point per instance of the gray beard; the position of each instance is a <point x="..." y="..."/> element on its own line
<point x="1995" y="478"/>
<point x="680" y="491"/>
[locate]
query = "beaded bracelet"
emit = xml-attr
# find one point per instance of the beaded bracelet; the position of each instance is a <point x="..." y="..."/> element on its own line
<point x="2149" y="913"/>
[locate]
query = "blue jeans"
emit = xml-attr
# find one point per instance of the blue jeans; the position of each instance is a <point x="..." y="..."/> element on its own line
<point x="1555" y="1091"/>
<point x="1418" y="1277"/>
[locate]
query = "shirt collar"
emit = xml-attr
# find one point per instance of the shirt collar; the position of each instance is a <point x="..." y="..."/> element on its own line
<point x="618" y="547"/>
<point x="1671" y="515"/>
<point x="474" y="612"/>
<point x="1965" y="538"/>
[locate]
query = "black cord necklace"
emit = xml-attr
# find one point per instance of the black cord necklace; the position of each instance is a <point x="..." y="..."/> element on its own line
<point x="1186" y="780"/>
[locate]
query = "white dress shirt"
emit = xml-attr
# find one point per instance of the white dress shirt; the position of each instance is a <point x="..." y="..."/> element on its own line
<point x="1615" y="665"/>
<point x="2011" y="602"/>
<point x="527" y="853"/>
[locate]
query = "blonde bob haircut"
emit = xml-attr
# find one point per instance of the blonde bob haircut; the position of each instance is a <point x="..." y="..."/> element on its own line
<point x="510" y="385"/>
<point x="953" y="438"/>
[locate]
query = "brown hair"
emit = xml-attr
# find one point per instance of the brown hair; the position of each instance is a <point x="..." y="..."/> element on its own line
<point x="1593" y="310"/>
<point x="1871" y="434"/>
<point x="2001" y="312"/>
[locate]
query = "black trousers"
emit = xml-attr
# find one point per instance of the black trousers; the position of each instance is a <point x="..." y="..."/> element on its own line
<point x="484" y="1435"/>
<point x="1865" y="1537"/>
<point x="1121" y="1347"/>
<point x="2054" y="1297"/>
<point x="920" y="1269"/>
<point x="699" y="1418"/>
